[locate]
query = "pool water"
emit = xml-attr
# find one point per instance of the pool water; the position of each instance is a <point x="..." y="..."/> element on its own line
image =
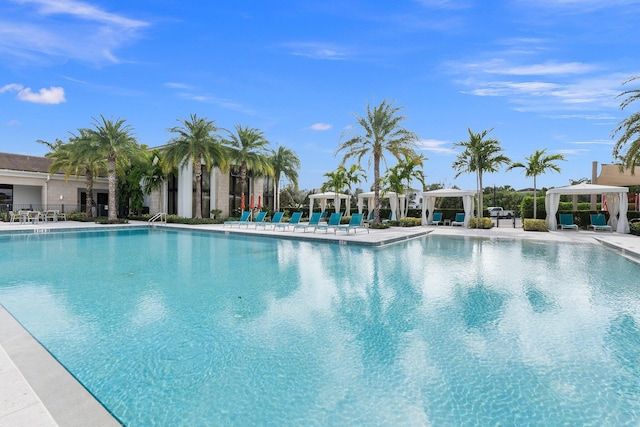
<point x="170" y="327"/>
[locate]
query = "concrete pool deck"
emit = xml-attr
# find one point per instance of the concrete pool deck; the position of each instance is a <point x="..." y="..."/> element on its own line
<point x="36" y="390"/>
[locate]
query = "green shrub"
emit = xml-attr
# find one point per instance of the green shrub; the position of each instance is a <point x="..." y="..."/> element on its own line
<point x="106" y="220"/>
<point x="529" y="224"/>
<point x="408" y="222"/>
<point x="381" y="226"/>
<point x="635" y="228"/>
<point x="484" y="223"/>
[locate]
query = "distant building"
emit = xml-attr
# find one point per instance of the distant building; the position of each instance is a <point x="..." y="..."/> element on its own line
<point x="25" y="183"/>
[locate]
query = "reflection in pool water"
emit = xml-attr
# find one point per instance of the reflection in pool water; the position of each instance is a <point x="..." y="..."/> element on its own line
<point x="178" y="328"/>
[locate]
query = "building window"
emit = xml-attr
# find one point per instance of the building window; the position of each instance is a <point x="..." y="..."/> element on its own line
<point x="172" y="196"/>
<point x="6" y="196"/>
<point x="206" y="193"/>
<point x="235" y="191"/>
<point x="268" y="192"/>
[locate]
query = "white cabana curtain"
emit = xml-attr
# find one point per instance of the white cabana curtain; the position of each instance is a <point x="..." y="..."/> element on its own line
<point x="613" y="206"/>
<point x="430" y="205"/>
<point x="467" y="203"/>
<point x="393" y="203"/>
<point x="623" y="222"/>
<point x="551" y="202"/>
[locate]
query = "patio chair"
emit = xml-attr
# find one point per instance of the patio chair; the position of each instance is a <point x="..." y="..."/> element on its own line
<point x="599" y="222"/>
<point x="355" y="222"/>
<point x="275" y="219"/>
<point x="459" y="219"/>
<point x="244" y="218"/>
<point x="13" y="217"/>
<point x="259" y="218"/>
<point x="293" y="221"/>
<point x="334" y="222"/>
<point x="566" y="222"/>
<point x="313" y="221"/>
<point x="437" y="219"/>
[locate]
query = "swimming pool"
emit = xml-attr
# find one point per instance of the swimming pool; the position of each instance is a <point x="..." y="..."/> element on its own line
<point x="170" y="327"/>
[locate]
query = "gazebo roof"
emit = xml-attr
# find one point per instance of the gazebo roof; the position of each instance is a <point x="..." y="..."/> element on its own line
<point x="588" y="189"/>
<point x="448" y="192"/>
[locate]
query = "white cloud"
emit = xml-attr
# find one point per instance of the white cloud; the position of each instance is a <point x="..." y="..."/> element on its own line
<point x="596" y="142"/>
<point x="83" y="11"/>
<point x="324" y="51"/>
<point x="320" y="126"/>
<point x="83" y="32"/>
<point x="435" y="146"/>
<point x="53" y="95"/>
<point x="575" y="152"/>
<point x="174" y="85"/>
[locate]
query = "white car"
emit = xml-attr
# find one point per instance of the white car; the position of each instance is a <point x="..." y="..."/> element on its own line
<point x="498" y="212"/>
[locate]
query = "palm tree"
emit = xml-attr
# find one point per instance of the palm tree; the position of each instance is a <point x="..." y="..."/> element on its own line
<point x="155" y="174"/>
<point x="113" y="141"/>
<point x="284" y="161"/>
<point x="479" y="156"/>
<point x="630" y="127"/>
<point x="196" y="143"/>
<point x="77" y="157"/>
<point x="537" y="164"/>
<point x="353" y="176"/>
<point x="411" y="169"/>
<point x="382" y="132"/>
<point x="336" y="182"/>
<point x="249" y="151"/>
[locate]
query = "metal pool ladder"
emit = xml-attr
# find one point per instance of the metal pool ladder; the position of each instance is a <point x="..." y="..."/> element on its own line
<point x="160" y="216"/>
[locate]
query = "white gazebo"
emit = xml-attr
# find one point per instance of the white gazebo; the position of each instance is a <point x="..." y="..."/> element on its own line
<point x="616" y="198"/>
<point x="323" y="197"/>
<point x="429" y="202"/>
<point x="395" y="200"/>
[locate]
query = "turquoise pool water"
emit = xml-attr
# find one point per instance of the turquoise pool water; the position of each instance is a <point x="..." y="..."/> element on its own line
<point x="177" y="328"/>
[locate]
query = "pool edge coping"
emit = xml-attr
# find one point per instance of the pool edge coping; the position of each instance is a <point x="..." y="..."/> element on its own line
<point x="65" y="399"/>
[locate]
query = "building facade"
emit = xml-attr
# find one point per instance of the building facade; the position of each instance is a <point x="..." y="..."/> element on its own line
<point x="221" y="191"/>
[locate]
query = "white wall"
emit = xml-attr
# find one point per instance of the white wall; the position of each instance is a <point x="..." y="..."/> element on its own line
<point x="27" y="195"/>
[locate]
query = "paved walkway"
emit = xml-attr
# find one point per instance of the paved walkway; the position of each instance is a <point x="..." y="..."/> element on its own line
<point x="36" y="390"/>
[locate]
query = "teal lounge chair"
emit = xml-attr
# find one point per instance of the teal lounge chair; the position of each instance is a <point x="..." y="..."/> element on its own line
<point x="277" y="217"/>
<point x="437" y="219"/>
<point x="355" y="222"/>
<point x="259" y="218"/>
<point x="566" y="222"/>
<point x="370" y="217"/>
<point x="599" y="222"/>
<point x="313" y="221"/>
<point x="459" y="219"/>
<point x="244" y="218"/>
<point x="334" y="222"/>
<point x="293" y="221"/>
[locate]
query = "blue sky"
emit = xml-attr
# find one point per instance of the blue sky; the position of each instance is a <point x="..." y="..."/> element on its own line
<point x="544" y="74"/>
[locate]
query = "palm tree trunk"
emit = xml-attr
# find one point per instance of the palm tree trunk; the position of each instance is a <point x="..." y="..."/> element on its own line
<point x="376" y="189"/>
<point x="197" y="166"/>
<point x="243" y="180"/>
<point x="480" y="198"/>
<point x="89" y="181"/>
<point x="535" y="202"/>
<point x="113" y="183"/>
